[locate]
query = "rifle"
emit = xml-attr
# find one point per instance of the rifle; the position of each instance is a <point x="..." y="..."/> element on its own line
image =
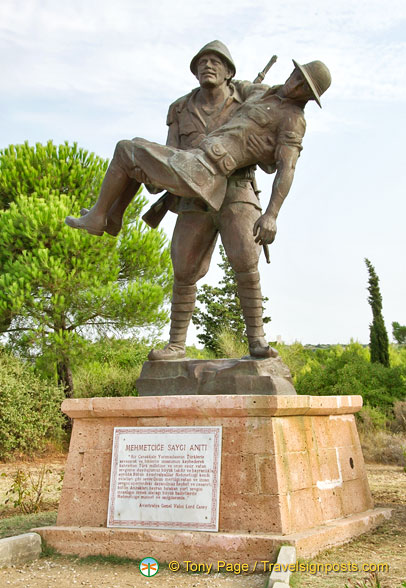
<point x="156" y="213"/>
<point x="260" y="77"/>
<point x="158" y="210"/>
<point x="258" y="80"/>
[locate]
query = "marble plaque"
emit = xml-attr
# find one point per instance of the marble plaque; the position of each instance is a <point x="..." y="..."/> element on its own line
<point x="165" y="478"/>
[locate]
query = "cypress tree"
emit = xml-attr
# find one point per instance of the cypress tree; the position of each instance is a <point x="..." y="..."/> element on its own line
<point x="378" y="336"/>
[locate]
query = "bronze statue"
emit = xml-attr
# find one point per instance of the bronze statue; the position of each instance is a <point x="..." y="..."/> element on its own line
<point x="217" y="134"/>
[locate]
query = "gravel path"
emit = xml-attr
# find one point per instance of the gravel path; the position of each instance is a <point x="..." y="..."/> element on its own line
<point x="63" y="572"/>
<point x="385" y="544"/>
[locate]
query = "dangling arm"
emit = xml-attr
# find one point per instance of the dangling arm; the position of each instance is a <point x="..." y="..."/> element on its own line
<point x="265" y="226"/>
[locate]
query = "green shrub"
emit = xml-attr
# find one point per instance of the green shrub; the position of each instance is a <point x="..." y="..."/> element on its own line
<point x="298" y="358"/>
<point x="27" y="491"/>
<point x="379" y="444"/>
<point x="109" y="367"/>
<point x="399" y="422"/>
<point x="371" y="418"/>
<point x="350" y="372"/>
<point x="121" y="353"/>
<point x="397" y="355"/>
<point x="30" y="415"/>
<point x="97" y="379"/>
<point x="229" y="344"/>
<point x="194" y="352"/>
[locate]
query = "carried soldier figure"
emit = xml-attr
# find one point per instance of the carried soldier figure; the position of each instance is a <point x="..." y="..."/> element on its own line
<point x="217" y="134"/>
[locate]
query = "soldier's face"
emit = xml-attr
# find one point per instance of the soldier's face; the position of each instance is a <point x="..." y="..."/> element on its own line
<point x="212" y="71"/>
<point x="296" y="86"/>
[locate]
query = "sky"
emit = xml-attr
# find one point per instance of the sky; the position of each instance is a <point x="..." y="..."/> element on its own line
<point x="96" y="71"/>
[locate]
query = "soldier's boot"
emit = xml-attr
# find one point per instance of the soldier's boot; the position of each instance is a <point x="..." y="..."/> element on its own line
<point x="183" y="304"/>
<point x="112" y="227"/>
<point x="249" y="292"/>
<point x="115" y="183"/>
<point x="120" y="205"/>
<point x="114" y="220"/>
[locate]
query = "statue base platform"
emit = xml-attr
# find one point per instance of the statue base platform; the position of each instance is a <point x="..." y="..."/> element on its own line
<point x="217" y="376"/>
<point x="292" y="472"/>
<point x="208" y="548"/>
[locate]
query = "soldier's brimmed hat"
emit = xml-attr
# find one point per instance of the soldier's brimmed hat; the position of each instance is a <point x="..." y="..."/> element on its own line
<point x="213" y="47"/>
<point x="317" y="75"/>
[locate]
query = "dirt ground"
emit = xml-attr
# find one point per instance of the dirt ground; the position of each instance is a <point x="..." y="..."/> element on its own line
<point x="54" y="467"/>
<point x="384" y="545"/>
<point x="64" y="573"/>
<point x="387" y="544"/>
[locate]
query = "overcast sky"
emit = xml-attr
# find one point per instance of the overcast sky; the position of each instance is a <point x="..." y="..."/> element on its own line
<point x="96" y="71"/>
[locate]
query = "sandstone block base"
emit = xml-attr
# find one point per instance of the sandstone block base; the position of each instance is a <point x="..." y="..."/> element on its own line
<point x="292" y="471"/>
<point x="166" y="546"/>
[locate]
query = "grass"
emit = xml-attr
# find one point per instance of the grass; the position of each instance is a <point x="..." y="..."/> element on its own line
<point x="383" y="446"/>
<point x="18" y="524"/>
<point x="114" y="560"/>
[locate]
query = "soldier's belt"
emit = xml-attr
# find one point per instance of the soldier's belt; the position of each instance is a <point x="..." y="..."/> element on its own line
<point x="244" y="173"/>
<point x="239" y="180"/>
<point x="217" y="153"/>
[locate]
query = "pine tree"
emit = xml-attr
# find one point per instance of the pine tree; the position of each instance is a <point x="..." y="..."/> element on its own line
<point x="378" y="336"/>
<point x="58" y="285"/>
<point x="221" y="309"/>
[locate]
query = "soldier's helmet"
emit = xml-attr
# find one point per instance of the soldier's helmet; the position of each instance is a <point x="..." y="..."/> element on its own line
<point x="318" y="77"/>
<point x="213" y="47"/>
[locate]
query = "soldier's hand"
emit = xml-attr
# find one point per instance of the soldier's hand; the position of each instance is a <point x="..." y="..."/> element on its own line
<point x="265" y="229"/>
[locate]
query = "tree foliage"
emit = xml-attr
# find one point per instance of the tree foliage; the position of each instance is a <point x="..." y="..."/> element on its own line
<point x="348" y="370"/>
<point x="110" y="367"/>
<point x="58" y="285"/>
<point x="399" y="333"/>
<point x="378" y="336"/>
<point x="30" y="412"/>
<point x="221" y="309"/>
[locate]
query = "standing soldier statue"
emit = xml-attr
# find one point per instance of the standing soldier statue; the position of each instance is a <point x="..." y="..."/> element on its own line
<point x="217" y="133"/>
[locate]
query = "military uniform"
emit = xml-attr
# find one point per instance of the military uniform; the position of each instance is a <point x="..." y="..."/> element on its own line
<point x="198" y="226"/>
<point x="202" y="170"/>
<point x="215" y="177"/>
<point x="188" y="127"/>
<point x="209" y="161"/>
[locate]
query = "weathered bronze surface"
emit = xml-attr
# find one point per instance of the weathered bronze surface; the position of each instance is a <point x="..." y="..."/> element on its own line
<point x="217" y="134"/>
<point x="217" y="376"/>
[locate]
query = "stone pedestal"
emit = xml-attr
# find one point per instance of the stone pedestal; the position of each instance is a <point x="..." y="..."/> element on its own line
<point x="217" y="376"/>
<point x="292" y="473"/>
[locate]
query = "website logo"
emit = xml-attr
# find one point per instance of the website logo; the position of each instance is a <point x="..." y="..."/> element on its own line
<point x="149" y="566"/>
